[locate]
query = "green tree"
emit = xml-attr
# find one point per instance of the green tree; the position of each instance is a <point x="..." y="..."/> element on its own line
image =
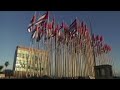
<point x="1" y="67"/>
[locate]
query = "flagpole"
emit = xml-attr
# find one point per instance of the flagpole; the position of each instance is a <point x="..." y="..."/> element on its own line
<point x="75" y="58"/>
<point x="47" y="39"/>
<point x="82" y="54"/>
<point x="94" y="58"/>
<point x="30" y="55"/>
<point x="39" y="59"/>
<point x="92" y="42"/>
<point x="79" y="46"/>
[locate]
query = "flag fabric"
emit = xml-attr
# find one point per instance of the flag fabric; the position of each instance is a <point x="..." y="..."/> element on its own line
<point x="101" y="38"/>
<point x="97" y="38"/>
<point x="54" y="32"/>
<point x="95" y="44"/>
<point x="37" y="33"/>
<point x="62" y="26"/>
<point x="32" y="23"/>
<point x="100" y="45"/>
<point x="66" y="31"/>
<point x="105" y="48"/>
<point x="98" y="48"/>
<point x="60" y="36"/>
<point x="63" y="33"/>
<point x="43" y="23"/>
<point x="50" y="25"/>
<point x="84" y="30"/>
<point x="86" y="33"/>
<point x="66" y="27"/>
<point x="53" y="23"/>
<point x="43" y="18"/>
<point x="51" y="28"/>
<point x="73" y="27"/>
<point x="33" y="18"/>
<point x="108" y="48"/>
<point x="34" y="33"/>
<point x="81" y="28"/>
<point x="30" y="28"/>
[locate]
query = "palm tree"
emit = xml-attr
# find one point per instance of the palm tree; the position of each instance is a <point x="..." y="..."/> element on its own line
<point x="6" y="64"/>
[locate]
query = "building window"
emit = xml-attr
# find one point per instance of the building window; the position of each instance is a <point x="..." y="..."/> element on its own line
<point x="22" y="55"/>
<point x="27" y="56"/>
<point x="19" y="54"/>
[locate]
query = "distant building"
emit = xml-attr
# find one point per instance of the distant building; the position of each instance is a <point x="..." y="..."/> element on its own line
<point x="30" y="61"/>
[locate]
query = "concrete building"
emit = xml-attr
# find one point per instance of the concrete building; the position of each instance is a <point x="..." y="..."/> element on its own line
<point x="103" y="72"/>
<point x="30" y="62"/>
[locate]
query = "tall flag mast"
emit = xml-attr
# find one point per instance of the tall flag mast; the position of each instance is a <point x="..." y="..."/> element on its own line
<point x="92" y="41"/>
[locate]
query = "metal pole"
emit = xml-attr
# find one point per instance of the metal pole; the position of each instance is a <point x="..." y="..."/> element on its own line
<point x="92" y="43"/>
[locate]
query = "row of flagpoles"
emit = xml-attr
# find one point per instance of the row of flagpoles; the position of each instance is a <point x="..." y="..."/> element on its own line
<point x="72" y="48"/>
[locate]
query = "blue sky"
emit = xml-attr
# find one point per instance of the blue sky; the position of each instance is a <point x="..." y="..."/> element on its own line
<point x="13" y="27"/>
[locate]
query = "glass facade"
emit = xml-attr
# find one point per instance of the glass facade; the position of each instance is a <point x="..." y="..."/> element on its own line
<point x="31" y="60"/>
